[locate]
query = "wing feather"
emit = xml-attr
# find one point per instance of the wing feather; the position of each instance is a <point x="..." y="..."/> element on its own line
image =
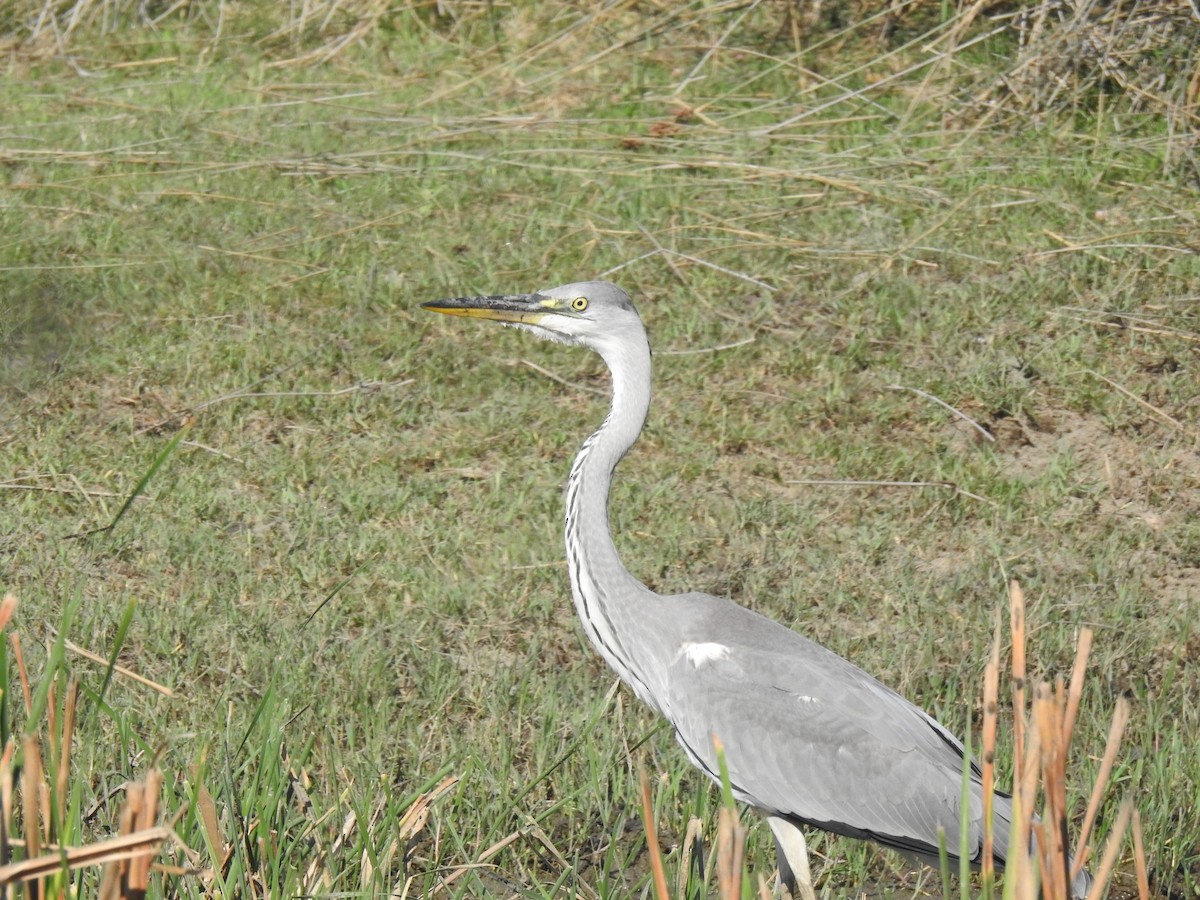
<point x="812" y="737"/>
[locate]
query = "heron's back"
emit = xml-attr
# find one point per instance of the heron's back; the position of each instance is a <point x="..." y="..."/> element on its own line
<point x="811" y="737"/>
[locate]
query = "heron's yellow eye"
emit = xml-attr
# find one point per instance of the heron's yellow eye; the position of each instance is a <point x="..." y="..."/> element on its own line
<point x="579" y="304"/>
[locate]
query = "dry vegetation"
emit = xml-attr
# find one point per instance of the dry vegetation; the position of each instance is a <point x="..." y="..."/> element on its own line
<point x="39" y="797"/>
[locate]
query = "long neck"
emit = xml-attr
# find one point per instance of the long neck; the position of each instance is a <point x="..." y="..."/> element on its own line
<point x="600" y="584"/>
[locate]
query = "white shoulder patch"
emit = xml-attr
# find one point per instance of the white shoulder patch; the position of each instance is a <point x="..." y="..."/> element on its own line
<point x="699" y="654"/>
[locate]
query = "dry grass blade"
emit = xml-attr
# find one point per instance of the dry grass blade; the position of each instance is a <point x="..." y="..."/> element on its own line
<point x="1016" y="624"/>
<point x="1048" y="711"/>
<point x="854" y="482"/>
<point x="1022" y="869"/>
<point x="19" y="657"/>
<point x="1139" y="856"/>
<point x="208" y="818"/>
<point x="731" y="837"/>
<point x="414" y="818"/>
<point x="991" y="710"/>
<point x="1022" y="873"/>
<point x="6" y="800"/>
<point x="1125" y="322"/>
<point x="481" y="860"/>
<point x="1083" y="649"/>
<point x="143" y="797"/>
<point x="128" y="875"/>
<point x="120" y="849"/>
<point x="541" y="370"/>
<point x="658" y="874"/>
<point x="1124" y="391"/>
<point x="65" y="739"/>
<point x="31" y="795"/>
<point x="1119" y="719"/>
<point x="693" y="846"/>
<point x="1111" y="850"/>
<point x="8" y="606"/>
<point x="118" y="669"/>
<point x="583" y="890"/>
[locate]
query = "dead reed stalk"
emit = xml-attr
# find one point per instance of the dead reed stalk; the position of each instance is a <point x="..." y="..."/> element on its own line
<point x="1042" y="735"/>
<point x="33" y="802"/>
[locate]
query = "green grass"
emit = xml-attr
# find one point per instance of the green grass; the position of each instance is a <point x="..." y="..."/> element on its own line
<point x="358" y="592"/>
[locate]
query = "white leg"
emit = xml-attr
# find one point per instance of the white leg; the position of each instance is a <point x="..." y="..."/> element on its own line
<point x="792" y="853"/>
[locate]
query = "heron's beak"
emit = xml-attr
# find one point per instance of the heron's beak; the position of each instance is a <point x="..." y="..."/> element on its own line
<point x="526" y="309"/>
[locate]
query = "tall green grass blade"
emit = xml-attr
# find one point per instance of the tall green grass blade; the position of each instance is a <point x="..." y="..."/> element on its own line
<point x="138" y="488"/>
<point x="118" y="642"/>
<point x="723" y="769"/>
<point x="55" y="661"/>
<point x="571" y="748"/>
<point x="944" y="865"/>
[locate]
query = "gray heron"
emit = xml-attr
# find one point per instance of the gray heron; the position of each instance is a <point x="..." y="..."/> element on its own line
<point x="810" y="739"/>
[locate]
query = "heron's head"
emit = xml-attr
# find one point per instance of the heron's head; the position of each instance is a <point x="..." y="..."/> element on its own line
<point x="596" y="314"/>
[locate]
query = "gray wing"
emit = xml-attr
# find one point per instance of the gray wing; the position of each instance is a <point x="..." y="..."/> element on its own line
<point x="812" y="737"/>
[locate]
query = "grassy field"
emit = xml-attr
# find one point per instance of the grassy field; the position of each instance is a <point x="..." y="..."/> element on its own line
<point x="217" y="227"/>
